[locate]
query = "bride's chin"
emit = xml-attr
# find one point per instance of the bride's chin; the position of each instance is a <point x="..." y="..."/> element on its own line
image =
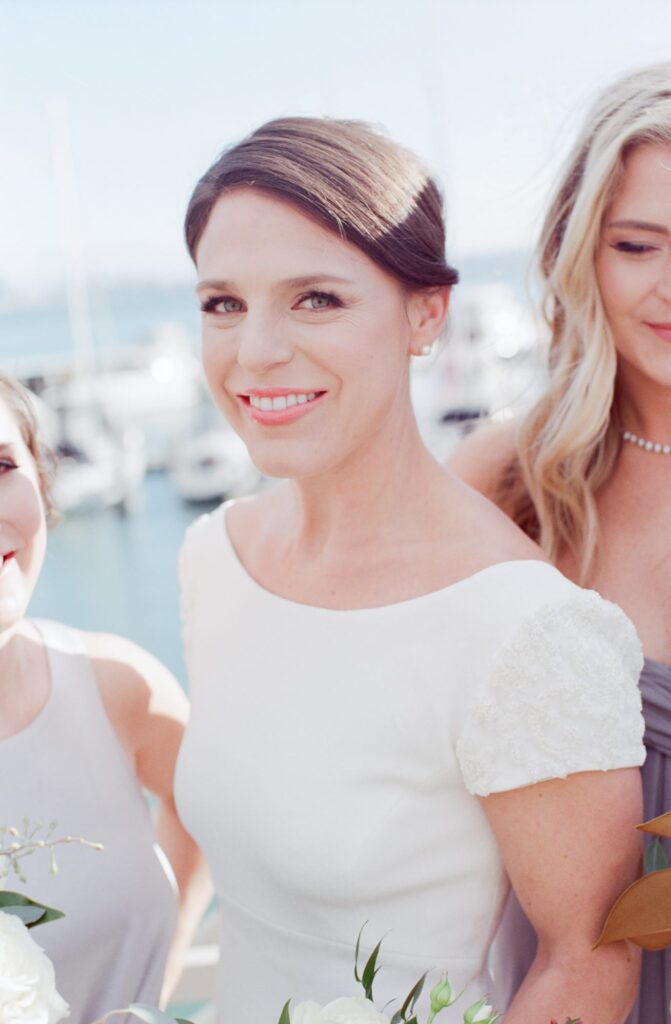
<point x="279" y="462"/>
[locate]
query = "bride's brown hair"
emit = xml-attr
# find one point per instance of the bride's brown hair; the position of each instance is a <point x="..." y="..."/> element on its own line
<point x="350" y="178"/>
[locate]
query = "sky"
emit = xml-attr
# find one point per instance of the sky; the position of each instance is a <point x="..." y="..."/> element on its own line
<point x="489" y="92"/>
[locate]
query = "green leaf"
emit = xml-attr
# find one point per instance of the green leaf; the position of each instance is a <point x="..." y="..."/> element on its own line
<point x="654" y="858"/>
<point x="10" y="899"/>
<point x="150" y="1014"/>
<point x="356" y="953"/>
<point x="410" y="1000"/>
<point x="369" y="972"/>
<point x="284" y="1016"/>
<point x="29" y="915"/>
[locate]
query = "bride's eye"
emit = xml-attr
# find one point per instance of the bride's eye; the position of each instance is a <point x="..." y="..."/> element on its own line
<point x="222" y="304"/>
<point x="318" y="300"/>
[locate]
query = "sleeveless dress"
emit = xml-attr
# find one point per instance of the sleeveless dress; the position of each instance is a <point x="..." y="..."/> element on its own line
<point x="120" y="904"/>
<point x="515" y="944"/>
<point x="333" y="760"/>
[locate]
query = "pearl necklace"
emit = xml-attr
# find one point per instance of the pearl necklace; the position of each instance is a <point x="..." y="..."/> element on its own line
<point x="649" y="446"/>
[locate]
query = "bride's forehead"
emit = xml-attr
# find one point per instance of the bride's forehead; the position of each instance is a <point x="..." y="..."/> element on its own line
<point x="249" y="215"/>
<point x="248" y="226"/>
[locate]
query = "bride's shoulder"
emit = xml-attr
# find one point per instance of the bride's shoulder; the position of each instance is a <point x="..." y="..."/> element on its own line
<point x="488" y="532"/>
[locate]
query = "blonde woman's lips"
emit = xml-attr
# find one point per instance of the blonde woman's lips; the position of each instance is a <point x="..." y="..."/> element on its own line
<point x="661" y="330"/>
<point x="278" y="406"/>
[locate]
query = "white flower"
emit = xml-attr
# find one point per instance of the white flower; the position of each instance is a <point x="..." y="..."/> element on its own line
<point x="354" y="1010"/>
<point x="27" y="984"/>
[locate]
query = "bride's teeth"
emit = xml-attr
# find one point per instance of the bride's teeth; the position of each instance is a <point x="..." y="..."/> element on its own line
<point x="281" y="402"/>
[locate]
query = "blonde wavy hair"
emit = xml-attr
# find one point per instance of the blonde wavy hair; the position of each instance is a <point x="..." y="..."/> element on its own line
<point x="569" y="441"/>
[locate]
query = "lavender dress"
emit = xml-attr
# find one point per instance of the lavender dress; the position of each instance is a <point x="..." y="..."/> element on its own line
<point x="515" y="944"/>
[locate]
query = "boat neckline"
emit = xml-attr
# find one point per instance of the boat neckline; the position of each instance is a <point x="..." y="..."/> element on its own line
<point x="256" y="585"/>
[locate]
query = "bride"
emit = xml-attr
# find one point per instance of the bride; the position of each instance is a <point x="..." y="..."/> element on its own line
<point x="399" y="707"/>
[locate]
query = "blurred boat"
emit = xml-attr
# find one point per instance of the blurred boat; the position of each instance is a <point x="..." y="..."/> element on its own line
<point x="154" y="387"/>
<point x="97" y="468"/>
<point x="212" y="465"/>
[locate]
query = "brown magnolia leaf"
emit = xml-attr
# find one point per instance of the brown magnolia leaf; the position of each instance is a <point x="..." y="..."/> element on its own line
<point x="660" y="826"/>
<point x="642" y="913"/>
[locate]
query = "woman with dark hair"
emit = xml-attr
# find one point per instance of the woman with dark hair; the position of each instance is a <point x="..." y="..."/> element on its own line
<point x="587" y="471"/>
<point x="86" y="721"/>
<point x="398" y="704"/>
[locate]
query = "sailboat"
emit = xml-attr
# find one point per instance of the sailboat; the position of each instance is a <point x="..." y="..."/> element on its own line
<point x="97" y="466"/>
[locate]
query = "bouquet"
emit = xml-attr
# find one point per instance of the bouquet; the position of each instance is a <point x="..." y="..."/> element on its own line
<point x="28" y="985"/>
<point x="27" y="982"/>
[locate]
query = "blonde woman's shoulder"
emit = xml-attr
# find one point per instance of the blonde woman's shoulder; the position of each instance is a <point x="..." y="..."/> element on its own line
<point x="482" y="457"/>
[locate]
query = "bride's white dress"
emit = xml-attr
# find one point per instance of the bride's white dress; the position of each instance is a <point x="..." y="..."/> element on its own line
<point x="333" y="762"/>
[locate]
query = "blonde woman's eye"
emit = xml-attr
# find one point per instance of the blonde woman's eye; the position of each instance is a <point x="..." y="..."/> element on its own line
<point x="633" y="248"/>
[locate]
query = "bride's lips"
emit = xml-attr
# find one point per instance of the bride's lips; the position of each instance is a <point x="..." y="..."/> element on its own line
<point x="277" y="406"/>
<point x="661" y="330"/>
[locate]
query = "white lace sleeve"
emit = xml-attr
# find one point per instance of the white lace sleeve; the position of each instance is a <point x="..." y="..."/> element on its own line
<point x="561" y="697"/>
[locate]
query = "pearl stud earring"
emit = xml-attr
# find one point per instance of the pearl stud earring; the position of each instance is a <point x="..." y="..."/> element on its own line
<point x="426" y="350"/>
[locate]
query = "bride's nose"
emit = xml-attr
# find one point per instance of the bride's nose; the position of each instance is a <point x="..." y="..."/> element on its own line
<point x="263" y="342"/>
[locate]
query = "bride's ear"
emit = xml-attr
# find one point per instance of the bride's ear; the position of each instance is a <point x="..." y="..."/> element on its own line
<point x="427" y="312"/>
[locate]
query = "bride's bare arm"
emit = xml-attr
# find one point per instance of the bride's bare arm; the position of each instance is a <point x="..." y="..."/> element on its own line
<point x="570" y="848"/>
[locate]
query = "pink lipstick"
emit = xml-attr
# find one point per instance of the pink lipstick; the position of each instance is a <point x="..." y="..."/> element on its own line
<point x="661" y="330"/>
<point x="278" y="406"/>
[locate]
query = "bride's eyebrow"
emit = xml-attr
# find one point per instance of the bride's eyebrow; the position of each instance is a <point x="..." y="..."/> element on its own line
<point x="313" y="279"/>
<point x="218" y="286"/>
<point x="639" y="225"/>
<point x="305" y="281"/>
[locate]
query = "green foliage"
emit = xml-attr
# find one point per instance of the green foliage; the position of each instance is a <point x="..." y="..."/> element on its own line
<point x="370" y="969"/>
<point x="30" y="912"/>
<point x="409" y="1003"/>
<point x="284" y="1016"/>
<point x="654" y="859"/>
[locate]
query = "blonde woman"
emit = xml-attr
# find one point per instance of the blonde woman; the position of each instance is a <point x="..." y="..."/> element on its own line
<point x="587" y="472"/>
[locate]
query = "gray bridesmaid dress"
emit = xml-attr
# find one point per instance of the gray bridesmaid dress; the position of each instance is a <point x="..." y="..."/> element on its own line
<point x="515" y="944"/>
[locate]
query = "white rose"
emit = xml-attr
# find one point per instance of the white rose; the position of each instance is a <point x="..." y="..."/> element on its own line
<point x="354" y="1010"/>
<point x="27" y="984"/>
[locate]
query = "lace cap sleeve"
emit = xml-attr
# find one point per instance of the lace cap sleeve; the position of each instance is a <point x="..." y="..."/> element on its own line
<point x="560" y="697"/>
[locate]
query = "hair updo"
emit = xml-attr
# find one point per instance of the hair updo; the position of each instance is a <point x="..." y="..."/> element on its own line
<point x="350" y="178"/>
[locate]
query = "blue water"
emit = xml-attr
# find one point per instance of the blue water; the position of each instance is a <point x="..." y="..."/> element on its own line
<point x="114" y="574"/>
<point x="120" y="316"/>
